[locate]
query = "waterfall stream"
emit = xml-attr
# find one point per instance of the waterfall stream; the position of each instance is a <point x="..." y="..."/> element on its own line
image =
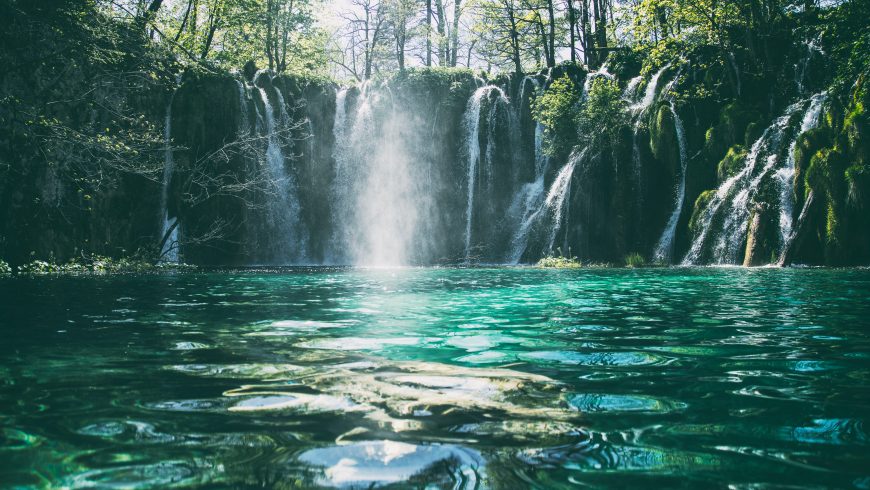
<point x="169" y="246"/>
<point x="665" y="246"/>
<point x="723" y="224"/>
<point x="288" y="238"/>
<point x="474" y="168"/>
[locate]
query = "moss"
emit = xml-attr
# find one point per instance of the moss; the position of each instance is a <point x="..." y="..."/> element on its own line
<point x="732" y="163"/>
<point x="752" y="133"/>
<point x="832" y="225"/>
<point x="663" y="138"/>
<point x="700" y="205"/>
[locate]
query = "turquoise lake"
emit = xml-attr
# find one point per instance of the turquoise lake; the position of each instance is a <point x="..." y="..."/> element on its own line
<point x="437" y="378"/>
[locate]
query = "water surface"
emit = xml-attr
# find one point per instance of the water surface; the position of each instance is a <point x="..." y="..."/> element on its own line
<point x="451" y="378"/>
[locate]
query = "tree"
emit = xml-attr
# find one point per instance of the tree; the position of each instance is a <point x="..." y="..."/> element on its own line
<point x="500" y="28"/>
<point x="401" y="14"/>
<point x="365" y="30"/>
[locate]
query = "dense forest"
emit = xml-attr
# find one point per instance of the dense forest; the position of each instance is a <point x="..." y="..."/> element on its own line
<point x="434" y="132"/>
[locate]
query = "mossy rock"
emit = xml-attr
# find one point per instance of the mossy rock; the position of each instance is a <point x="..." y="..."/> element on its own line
<point x="732" y="163"/>
<point x="663" y="138"/>
<point x="700" y="205"/>
<point x="752" y="133"/>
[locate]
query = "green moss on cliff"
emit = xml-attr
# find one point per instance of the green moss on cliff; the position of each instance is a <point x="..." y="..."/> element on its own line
<point x="732" y="163"/>
<point x="700" y="205"/>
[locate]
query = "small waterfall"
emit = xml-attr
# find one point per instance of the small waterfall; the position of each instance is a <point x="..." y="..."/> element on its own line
<point x="557" y="197"/>
<point x="785" y="176"/>
<point x="665" y="248"/>
<point x="527" y="202"/>
<point x="813" y="48"/>
<point x="169" y="247"/>
<point x="639" y="111"/>
<point x="471" y="126"/>
<point x="649" y="95"/>
<point x="288" y="240"/>
<point x="244" y="123"/>
<point x="630" y="93"/>
<point x="724" y="222"/>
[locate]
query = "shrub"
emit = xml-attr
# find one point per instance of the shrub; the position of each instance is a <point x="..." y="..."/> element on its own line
<point x="552" y="262"/>
<point x="634" y="260"/>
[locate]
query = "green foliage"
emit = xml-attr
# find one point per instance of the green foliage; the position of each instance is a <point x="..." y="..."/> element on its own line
<point x="604" y="112"/>
<point x="635" y="260"/>
<point x="732" y="163"/>
<point x="845" y="30"/>
<point x="557" y="110"/>
<point x="700" y="205"/>
<point x="5" y="270"/>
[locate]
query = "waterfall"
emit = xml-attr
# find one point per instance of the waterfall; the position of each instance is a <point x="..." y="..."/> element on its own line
<point x="638" y="111"/>
<point x="471" y="127"/>
<point x="630" y="93"/>
<point x="341" y="186"/>
<point x="169" y="247"/>
<point x="557" y="197"/>
<point x="376" y="197"/>
<point x="527" y="202"/>
<point x="288" y="235"/>
<point x="724" y="222"/>
<point x="785" y="176"/>
<point x="813" y="47"/>
<point x="649" y="95"/>
<point x="665" y="247"/>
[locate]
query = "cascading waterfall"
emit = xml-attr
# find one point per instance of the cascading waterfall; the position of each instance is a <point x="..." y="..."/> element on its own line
<point x="471" y="126"/>
<point x="557" y="197"/>
<point x="814" y="48"/>
<point x="650" y="93"/>
<point x="376" y="198"/>
<point x="527" y="203"/>
<point x="288" y="240"/>
<point x="638" y="110"/>
<point x="785" y="176"/>
<point x="169" y="246"/>
<point x="724" y="222"/>
<point x="665" y="246"/>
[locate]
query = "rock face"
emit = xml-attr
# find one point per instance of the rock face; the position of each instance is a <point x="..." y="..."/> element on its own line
<point x="434" y="167"/>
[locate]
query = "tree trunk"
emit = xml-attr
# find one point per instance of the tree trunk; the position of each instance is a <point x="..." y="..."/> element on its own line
<point x="454" y="35"/>
<point x="551" y="61"/>
<point x="428" y="32"/>
<point x="442" y="34"/>
<point x="572" y="22"/>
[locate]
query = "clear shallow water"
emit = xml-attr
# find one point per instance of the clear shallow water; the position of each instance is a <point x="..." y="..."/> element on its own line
<point x="478" y="378"/>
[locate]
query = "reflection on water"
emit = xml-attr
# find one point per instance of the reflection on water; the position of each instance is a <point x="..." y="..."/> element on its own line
<point x="437" y="378"/>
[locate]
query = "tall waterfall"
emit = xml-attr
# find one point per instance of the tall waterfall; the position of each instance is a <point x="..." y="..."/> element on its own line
<point x="557" y="197"/>
<point x="287" y="240"/>
<point x="639" y="111"/>
<point x="785" y="175"/>
<point x="169" y="224"/>
<point x="474" y="168"/>
<point x="377" y="197"/>
<point x="665" y="247"/>
<point x="723" y="224"/>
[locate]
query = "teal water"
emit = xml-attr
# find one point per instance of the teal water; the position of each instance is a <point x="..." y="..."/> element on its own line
<point x="437" y="378"/>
